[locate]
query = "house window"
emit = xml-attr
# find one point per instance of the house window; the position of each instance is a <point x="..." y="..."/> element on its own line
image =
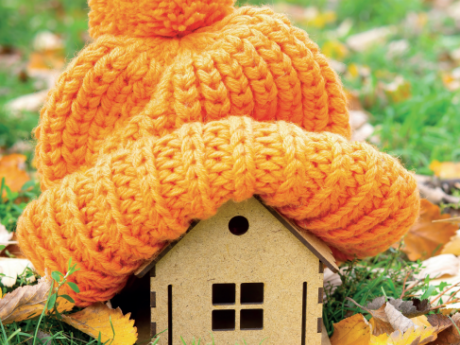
<point x="250" y="318"/>
<point x="238" y="225"/>
<point x="223" y="294"/>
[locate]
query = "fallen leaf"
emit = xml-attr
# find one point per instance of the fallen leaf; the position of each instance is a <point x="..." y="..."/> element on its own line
<point x="12" y="268"/>
<point x="335" y="50"/>
<point x="28" y="103"/>
<point x="451" y="80"/>
<point x="450" y="335"/>
<point x="453" y="246"/>
<point x="46" y="41"/>
<point x="397" y="320"/>
<point x="434" y="195"/>
<point x="422" y="321"/>
<point x="354" y="330"/>
<point x="27" y="302"/>
<point x="398" y="90"/>
<point x="425" y="238"/>
<point x="48" y="52"/>
<point x="379" y="321"/>
<point x="13" y="169"/>
<point x="410" y="309"/>
<point x="445" y="170"/>
<point x="397" y="48"/>
<point x="48" y="60"/>
<point x="419" y="336"/>
<point x="439" y="266"/>
<point x="439" y="322"/>
<point x="365" y="40"/>
<point x="355" y="71"/>
<point x="95" y="320"/>
<point x="386" y="318"/>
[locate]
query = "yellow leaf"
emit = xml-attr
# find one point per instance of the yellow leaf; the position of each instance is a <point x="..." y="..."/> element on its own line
<point x="353" y="70"/>
<point x="334" y="50"/>
<point x="453" y="247"/>
<point x="398" y="90"/>
<point x="446" y="170"/>
<point x="12" y="168"/>
<point x="95" y="320"/>
<point x="354" y="330"/>
<point x="28" y="301"/>
<point x="425" y="238"/>
<point x="419" y="336"/>
<point x="421" y="321"/>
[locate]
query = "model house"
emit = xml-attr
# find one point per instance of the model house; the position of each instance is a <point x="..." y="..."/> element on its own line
<point x="246" y="274"/>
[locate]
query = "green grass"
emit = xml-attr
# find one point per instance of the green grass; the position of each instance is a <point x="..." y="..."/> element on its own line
<point x="365" y="280"/>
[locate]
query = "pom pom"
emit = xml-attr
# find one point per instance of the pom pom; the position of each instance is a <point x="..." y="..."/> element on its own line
<point x="144" y="18"/>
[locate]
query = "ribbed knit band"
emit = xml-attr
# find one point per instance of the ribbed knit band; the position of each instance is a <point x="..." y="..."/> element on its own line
<point x="113" y="216"/>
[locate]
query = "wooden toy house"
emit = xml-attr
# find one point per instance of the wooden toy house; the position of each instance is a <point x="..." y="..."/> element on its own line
<point x="246" y="274"/>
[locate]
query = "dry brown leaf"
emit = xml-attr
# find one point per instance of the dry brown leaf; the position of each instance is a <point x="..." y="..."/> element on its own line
<point x="446" y="170"/>
<point x="397" y="320"/>
<point x="13" y="169"/>
<point x="425" y="238"/>
<point x="379" y="321"/>
<point x="439" y="322"/>
<point x="28" y="301"/>
<point x="410" y="309"/>
<point x="450" y="335"/>
<point x="95" y="320"/>
<point x="354" y="330"/>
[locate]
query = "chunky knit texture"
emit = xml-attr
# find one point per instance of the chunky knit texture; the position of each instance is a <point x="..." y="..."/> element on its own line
<point x="138" y="138"/>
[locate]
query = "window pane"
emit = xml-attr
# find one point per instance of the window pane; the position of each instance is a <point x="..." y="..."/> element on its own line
<point x="223" y="320"/>
<point x="252" y="293"/>
<point x="251" y="319"/>
<point x="223" y="294"/>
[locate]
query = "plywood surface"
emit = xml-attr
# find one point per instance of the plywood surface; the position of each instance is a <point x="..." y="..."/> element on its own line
<point x="210" y="254"/>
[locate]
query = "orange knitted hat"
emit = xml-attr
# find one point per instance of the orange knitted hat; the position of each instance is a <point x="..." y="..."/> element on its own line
<point x="179" y="106"/>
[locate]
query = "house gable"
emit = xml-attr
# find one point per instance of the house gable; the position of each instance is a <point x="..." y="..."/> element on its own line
<point x="315" y="245"/>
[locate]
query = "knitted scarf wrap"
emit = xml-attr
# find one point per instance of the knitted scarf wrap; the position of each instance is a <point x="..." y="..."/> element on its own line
<point x="178" y="107"/>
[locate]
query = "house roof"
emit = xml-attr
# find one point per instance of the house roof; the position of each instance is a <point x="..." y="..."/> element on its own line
<point x="314" y="244"/>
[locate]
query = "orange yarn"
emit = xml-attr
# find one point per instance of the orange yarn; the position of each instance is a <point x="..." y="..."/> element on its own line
<point x="144" y="18"/>
<point x="137" y="139"/>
